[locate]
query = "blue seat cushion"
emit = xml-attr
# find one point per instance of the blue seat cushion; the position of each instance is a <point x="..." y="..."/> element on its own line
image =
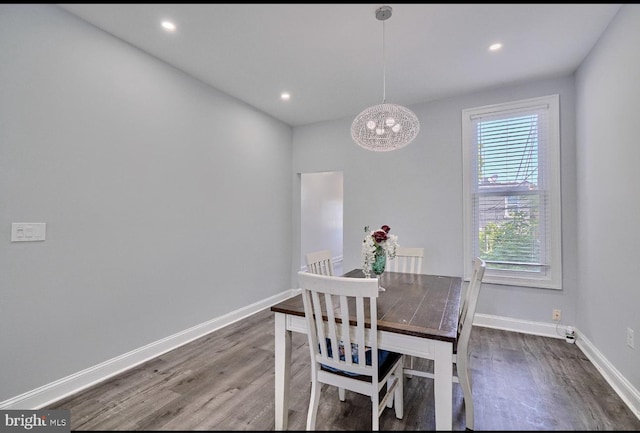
<point x="382" y="357"/>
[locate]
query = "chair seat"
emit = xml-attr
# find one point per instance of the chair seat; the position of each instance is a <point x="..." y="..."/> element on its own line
<point x="386" y="360"/>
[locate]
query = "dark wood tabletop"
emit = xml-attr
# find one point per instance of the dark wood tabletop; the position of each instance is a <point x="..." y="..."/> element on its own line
<point x="413" y="304"/>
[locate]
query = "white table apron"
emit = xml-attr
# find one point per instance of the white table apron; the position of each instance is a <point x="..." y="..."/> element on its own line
<point x="441" y="352"/>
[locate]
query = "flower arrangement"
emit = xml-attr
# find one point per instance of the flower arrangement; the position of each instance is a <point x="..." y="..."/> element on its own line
<point x="377" y="243"/>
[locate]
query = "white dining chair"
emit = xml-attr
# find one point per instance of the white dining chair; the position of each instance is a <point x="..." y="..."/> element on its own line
<point x="320" y="262"/>
<point x="408" y="260"/>
<point x="343" y="344"/>
<point x="461" y="351"/>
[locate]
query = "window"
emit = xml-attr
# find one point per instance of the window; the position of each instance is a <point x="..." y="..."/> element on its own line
<point x="512" y="191"/>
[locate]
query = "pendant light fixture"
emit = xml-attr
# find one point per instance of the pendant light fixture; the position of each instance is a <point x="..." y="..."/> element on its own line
<point x="384" y="127"/>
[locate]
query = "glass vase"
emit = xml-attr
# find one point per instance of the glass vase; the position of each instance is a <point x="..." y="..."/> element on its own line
<point x="379" y="264"/>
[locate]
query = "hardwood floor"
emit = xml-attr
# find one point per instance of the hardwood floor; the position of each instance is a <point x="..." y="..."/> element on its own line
<point x="225" y="381"/>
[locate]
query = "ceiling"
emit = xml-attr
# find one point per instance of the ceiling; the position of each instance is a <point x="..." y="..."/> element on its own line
<point x="330" y="56"/>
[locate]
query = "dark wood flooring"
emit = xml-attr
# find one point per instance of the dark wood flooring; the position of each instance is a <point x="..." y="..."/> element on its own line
<point x="225" y="381"/>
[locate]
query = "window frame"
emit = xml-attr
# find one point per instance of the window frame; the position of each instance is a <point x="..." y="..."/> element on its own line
<point x="550" y="157"/>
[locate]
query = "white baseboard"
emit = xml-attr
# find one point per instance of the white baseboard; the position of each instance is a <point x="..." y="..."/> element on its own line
<point x="522" y="326"/>
<point x="47" y="394"/>
<point x="618" y="382"/>
<point x="627" y="392"/>
<point x="54" y="391"/>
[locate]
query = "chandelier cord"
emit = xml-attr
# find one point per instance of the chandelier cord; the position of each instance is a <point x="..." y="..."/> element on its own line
<point x="384" y="69"/>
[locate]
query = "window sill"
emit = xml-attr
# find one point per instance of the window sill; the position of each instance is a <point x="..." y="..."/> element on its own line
<point x="522" y="282"/>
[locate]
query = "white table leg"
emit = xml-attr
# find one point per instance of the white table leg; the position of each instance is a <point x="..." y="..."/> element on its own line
<point x="282" y="371"/>
<point x="443" y="385"/>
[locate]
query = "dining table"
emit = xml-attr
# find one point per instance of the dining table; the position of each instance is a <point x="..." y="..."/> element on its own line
<point x="417" y="316"/>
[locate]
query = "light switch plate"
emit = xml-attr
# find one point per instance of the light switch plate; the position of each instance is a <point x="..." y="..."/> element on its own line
<point x="28" y="232"/>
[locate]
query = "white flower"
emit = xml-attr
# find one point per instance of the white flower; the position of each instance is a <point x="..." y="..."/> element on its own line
<point x="391" y="245"/>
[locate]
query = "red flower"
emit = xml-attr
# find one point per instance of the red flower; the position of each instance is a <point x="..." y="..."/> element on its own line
<point x="386" y="228"/>
<point x="380" y="235"/>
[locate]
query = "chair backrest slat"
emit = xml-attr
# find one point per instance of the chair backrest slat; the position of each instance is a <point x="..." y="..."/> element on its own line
<point x="320" y="262"/>
<point x="407" y="260"/>
<point x="470" y="300"/>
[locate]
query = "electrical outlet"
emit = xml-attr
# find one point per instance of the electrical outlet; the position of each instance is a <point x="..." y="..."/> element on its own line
<point x="556" y="315"/>
<point x="630" y="338"/>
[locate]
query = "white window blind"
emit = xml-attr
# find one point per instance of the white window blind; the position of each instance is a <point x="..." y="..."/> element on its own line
<point x="512" y="191"/>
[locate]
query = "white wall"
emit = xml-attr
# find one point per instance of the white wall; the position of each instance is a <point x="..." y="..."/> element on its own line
<point x="164" y="199"/>
<point x="608" y="95"/>
<point x="417" y="191"/>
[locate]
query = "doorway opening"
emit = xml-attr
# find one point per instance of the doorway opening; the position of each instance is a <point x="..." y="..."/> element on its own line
<point x="321" y="219"/>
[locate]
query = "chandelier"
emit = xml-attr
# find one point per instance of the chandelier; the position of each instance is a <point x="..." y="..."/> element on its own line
<point x="384" y="127"/>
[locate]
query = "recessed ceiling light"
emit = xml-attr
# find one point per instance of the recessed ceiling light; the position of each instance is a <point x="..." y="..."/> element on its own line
<point x="168" y="26"/>
<point x="285" y="96"/>
<point x="495" y="47"/>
